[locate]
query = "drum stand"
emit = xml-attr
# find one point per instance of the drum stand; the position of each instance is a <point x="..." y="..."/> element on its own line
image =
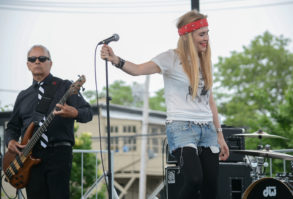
<point x="258" y="166"/>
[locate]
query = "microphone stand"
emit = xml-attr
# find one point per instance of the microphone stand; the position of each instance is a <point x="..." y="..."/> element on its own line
<point x="109" y="173"/>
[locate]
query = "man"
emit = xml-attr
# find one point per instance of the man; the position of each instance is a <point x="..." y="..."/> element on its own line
<point x="50" y="178"/>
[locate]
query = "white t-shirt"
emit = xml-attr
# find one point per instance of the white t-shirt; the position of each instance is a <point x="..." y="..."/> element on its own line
<point x="179" y="102"/>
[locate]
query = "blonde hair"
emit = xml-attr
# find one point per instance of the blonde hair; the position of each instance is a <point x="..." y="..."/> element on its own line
<point x="189" y="56"/>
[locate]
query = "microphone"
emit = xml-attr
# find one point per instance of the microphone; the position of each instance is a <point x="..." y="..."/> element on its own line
<point x="115" y="37"/>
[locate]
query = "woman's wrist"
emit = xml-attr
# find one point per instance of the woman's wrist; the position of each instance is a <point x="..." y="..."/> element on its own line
<point x="115" y="61"/>
<point x="120" y="63"/>
<point x="219" y="130"/>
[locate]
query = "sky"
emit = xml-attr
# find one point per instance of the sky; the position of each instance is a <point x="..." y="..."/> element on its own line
<point x="71" y="30"/>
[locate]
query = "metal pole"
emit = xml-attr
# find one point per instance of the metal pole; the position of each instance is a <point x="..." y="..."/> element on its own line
<point x="81" y="180"/>
<point x="142" y="179"/>
<point x="108" y="134"/>
<point x="195" y="4"/>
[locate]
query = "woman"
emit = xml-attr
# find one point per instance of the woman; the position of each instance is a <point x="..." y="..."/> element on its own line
<point x="193" y="130"/>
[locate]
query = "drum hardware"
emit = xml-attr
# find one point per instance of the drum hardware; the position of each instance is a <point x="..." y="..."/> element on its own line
<point x="261" y="134"/>
<point x="258" y="166"/>
<point x="265" y="154"/>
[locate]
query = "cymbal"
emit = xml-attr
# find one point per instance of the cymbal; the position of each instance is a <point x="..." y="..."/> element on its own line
<point x="260" y="134"/>
<point x="265" y="153"/>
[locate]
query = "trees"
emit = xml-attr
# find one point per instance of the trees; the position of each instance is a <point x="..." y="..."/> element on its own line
<point x="157" y="102"/>
<point x="254" y="82"/>
<point x="89" y="165"/>
<point x="256" y="89"/>
<point x="126" y="95"/>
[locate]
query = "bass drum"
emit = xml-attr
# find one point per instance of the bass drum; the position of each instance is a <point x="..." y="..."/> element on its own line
<point x="268" y="188"/>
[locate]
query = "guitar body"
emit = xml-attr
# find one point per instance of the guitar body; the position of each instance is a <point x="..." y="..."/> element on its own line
<point x="19" y="170"/>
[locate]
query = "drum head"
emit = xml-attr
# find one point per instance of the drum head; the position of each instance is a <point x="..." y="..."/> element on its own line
<point x="267" y="188"/>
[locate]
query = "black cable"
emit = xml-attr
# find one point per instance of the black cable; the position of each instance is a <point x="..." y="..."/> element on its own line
<point x="21" y="193"/>
<point x="163" y="153"/>
<point x="99" y="122"/>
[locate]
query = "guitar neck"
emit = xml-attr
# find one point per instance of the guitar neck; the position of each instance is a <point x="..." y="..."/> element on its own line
<point x="37" y="135"/>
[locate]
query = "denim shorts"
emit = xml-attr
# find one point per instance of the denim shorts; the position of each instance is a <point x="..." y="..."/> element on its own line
<point x="188" y="133"/>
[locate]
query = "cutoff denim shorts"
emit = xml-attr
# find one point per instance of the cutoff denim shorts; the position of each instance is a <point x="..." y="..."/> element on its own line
<point x="188" y="133"/>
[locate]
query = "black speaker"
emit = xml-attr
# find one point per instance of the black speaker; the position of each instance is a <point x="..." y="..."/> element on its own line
<point x="234" y="142"/>
<point x="170" y="159"/>
<point x="173" y="181"/>
<point x="234" y="178"/>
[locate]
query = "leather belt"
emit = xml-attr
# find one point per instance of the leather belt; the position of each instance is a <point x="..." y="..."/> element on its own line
<point x="64" y="143"/>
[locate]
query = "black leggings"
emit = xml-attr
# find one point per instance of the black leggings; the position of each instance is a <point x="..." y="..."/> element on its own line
<point x="200" y="171"/>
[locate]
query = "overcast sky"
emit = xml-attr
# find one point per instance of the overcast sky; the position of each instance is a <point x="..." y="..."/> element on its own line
<point x="71" y="29"/>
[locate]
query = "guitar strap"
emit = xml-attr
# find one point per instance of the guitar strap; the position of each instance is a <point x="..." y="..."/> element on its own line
<point x="42" y="108"/>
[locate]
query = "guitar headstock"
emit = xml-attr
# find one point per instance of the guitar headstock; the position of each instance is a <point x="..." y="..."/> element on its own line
<point x="74" y="88"/>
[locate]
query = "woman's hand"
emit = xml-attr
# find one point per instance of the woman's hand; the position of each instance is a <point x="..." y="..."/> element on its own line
<point x="224" y="153"/>
<point x="107" y="53"/>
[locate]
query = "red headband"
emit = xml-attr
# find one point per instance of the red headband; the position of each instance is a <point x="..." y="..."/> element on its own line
<point x="193" y="26"/>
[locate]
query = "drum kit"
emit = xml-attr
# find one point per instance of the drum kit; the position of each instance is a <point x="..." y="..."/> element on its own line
<point x="281" y="186"/>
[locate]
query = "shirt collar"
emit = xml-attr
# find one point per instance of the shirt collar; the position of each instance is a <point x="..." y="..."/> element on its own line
<point x="47" y="80"/>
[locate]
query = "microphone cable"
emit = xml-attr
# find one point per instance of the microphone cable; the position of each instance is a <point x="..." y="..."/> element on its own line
<point x="99" y="119"/>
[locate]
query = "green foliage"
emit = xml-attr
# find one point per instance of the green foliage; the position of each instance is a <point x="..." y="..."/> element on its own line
<point x="255" y="81"/>
<point x="123" y="94"/>
<point x="89" y="167"/>
<point x="120" y="93"/>
<point x="158" y="101"/>
<point x="256" y="90"/>
<point x="5" y="107"/>
<point x="91" y="96"/>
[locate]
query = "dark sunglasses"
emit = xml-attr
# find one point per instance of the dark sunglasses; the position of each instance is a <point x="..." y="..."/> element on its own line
<point x="40" y="58"/>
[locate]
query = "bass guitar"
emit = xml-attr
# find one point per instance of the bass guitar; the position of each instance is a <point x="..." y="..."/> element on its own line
<point x="17" y="167"/>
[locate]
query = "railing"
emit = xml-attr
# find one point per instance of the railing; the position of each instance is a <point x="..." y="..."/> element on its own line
<point x="85" y="194"/>
<point x="284" y="161"/>
<point x="98" y="180"/>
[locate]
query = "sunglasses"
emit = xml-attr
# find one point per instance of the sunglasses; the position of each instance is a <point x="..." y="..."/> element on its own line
<point x="40" y="58"/>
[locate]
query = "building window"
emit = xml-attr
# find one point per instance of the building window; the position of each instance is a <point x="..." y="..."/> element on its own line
<point x="113" y="129"/>
<point x="129" y="144"/>
<point x="129" y="129"/>
<point x="154" y="130"/>
<point x="115" y="144"/>
<point x="155" y="145"/>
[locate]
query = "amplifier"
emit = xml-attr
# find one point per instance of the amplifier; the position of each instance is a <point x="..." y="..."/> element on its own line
<point x="170" y="159"/>
<point x="234" y="142"/>
<point x="173" y="181"/>
<point x="234" y="178"/>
